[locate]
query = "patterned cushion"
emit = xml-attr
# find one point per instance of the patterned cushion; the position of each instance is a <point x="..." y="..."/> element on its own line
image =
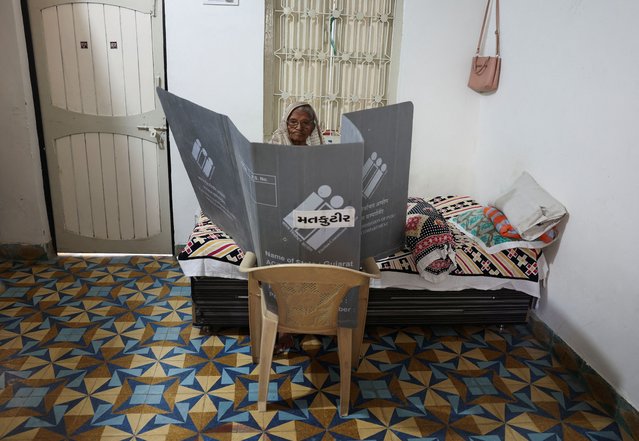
<point x="471" y="259"/>
<point x="430" y="240"/>
<point x="478" y="226"/>
<point x="506" y="229"/>
<point x="209" y="241"/>
<point x="451" y="206"/>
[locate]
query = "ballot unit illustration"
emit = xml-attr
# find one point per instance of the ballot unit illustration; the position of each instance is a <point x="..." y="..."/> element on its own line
<point x="374" y="171"/>
<point x="202" y="158"/>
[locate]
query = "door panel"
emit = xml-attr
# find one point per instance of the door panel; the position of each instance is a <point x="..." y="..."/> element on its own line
<point x="96" y="185"/>
<point x="114" y="58"/>
<point x="69" y="57"/>
<point x="85" y="59"/>
<point x="54" y="58"/>
<point x="99" y="55"/>
<point x="81" y="185"/>
<point x="109" y="179"/>
<point x="92" y="165"/>
<point x="97" y="64"/>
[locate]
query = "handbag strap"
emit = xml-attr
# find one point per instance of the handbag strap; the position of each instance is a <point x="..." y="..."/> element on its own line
<point x="485" y="22"/>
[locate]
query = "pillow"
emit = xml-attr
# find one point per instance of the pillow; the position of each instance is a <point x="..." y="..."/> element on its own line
<point x="207" y="240"/>
<point x="476" y="225"/>
<point x="530" y="208"/>
<point x="430" y="240"/>
<point x="505" y="228"/>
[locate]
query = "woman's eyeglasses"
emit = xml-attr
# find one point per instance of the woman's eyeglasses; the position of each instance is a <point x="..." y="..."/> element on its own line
<point x="304" y="124"/>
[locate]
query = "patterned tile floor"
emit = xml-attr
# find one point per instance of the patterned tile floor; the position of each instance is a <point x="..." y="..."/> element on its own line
<point x="103" y="348"/>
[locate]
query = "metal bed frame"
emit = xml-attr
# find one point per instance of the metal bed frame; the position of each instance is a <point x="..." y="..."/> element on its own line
<point x="221" y="302"/>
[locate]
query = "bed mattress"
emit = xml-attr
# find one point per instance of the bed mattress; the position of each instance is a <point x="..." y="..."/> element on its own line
<point x="483" y="288"/>
<point x="210" y="252"/>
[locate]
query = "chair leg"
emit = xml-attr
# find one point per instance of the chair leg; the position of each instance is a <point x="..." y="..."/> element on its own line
<point x="345" y="351"/>
<point x="255" y="318"/>
<point x="269" y="334"/>
<point x="358" y="332"/>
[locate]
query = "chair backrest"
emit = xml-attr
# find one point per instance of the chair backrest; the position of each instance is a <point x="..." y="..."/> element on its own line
<point x="308" y="296"/>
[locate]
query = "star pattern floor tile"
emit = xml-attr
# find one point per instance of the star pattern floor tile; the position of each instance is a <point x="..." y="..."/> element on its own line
<point x="104" y="348"/>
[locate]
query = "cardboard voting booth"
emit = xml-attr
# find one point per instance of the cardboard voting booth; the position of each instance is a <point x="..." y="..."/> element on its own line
<point x="332" y="204"/>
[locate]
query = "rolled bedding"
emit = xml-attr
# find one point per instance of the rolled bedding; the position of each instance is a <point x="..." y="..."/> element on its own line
<point x="430" y="240"/>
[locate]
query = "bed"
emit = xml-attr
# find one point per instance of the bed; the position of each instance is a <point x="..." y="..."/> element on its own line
<point x="482" y="287"/>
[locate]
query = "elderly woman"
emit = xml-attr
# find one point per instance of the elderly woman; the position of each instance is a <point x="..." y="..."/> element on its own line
<point x="299" y="126"/>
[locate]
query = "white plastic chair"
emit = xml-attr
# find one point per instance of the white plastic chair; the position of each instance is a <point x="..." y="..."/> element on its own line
<point x="308" y="298"/>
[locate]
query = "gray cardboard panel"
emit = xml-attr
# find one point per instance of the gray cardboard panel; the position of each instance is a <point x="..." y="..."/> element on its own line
<point x="208" y="143"/>
<point x="255" y="191"/>
<point x="290" y="179"/>
<point x="387" y="134"/>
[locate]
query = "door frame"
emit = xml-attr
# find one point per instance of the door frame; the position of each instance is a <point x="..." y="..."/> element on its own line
<point x="35" y="91"/>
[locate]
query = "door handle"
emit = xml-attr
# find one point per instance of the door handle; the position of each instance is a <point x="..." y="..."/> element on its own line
<point x="155" y="132"/>
<point x="158" y="134"/>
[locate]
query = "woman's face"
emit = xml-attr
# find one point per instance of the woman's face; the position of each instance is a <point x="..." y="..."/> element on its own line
<point x="300" y="125"/>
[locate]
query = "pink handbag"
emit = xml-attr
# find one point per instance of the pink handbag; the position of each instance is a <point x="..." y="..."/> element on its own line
<point x="484" y="71"/>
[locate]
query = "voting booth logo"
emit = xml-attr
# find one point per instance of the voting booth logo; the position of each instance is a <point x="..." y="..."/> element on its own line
<point x="373" y="172"/>
<point x="320" y="219"/>
<point x="202" y="159"/>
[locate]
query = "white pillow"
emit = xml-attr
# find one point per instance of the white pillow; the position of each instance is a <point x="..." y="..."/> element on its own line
<point x="530" y="208"/>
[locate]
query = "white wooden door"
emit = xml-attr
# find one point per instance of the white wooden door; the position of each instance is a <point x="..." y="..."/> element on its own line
<point x="97" y="65"/>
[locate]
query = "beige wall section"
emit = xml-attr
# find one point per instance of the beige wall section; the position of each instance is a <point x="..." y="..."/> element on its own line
<point x="23" y="215"/>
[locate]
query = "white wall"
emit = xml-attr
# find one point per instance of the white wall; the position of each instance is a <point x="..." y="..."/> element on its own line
<point x="23" y="215"/>
<point x="215" y="59"/>
<point x="567" y="110"/>
<point x="438" y="39"/>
